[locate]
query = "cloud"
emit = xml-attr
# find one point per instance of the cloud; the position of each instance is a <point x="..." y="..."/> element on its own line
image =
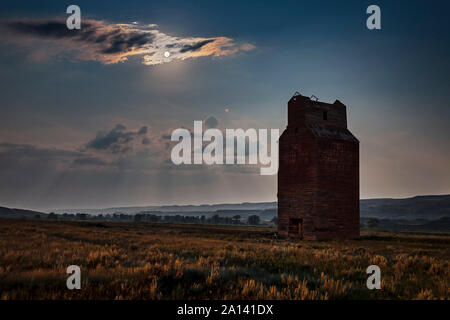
<point x="195" y="46"/>
<point x="211" y="122"/>
<point x="116" y="42"/>
<point x="112" y="139"/>
<point x="143" y="130"/>
<point x="115" y="149"/>
<point x="119" y="127"/>
<point x="114" y="146"/>
<point x="44" y="177"/>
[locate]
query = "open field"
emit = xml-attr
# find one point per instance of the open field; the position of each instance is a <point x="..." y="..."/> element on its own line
<point x="162" y="261"/>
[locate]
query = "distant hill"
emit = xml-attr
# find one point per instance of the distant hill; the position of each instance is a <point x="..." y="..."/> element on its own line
<point x="439" y="225"/>
<point x="20" y="213"/>
<point x="176" y="209"/>
<point x="419" y="207"/>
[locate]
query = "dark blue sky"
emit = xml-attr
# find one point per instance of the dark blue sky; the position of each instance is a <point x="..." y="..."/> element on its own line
<point x="394" y="81"/>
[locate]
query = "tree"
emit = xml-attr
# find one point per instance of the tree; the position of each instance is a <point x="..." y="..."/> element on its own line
<point x="274" y="220"/>
<point x="52" y="216"/>
<point x="82" y="216"/>
<point x="253" y="219"/>
<point x="215" y="219"/>
<point x="237" y="219"/>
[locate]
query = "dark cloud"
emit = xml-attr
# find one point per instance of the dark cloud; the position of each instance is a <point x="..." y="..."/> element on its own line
<point x="105" y="40"/>
<point x="120" y="127"/>
<point x="143" y="130"/>
<point x="112" y="139"/>
<point x="211" y="122"/>
<point x="125" y="42"/>
<point x="48" y="29"/>
<point x="146" y="141"/>
<point x="195" y="46"/>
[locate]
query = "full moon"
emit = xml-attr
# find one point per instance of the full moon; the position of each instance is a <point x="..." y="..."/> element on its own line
<point x="167" y="54"/>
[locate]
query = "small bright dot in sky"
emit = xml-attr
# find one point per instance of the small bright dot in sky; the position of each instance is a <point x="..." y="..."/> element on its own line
<point x="167" y="54"/>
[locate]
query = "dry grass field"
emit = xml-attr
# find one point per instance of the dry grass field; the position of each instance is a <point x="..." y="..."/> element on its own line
<point x="161" y="261"/>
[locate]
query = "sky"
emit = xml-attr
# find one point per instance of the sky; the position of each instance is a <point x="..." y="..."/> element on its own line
<point x="86" y="117"/>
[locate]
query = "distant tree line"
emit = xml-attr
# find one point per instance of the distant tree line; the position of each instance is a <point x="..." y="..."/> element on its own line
<point x="146" y="217"/>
